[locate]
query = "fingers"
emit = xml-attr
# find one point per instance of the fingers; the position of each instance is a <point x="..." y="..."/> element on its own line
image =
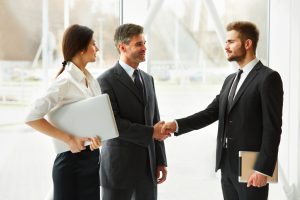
<point x="162" y="178"/>
<point x="257" y="180"/>
<point x="95" y="143"/>
<point x="169" y="127"/>
<point x="161" y="174"/>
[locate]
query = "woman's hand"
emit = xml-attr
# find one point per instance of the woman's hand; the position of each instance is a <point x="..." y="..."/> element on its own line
<point x="95" y="143"/>
<point x="76" y="144"/>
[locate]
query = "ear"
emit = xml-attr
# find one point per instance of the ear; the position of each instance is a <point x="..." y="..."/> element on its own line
<point x="248" y="44"/>
<point x="122" y="47"/>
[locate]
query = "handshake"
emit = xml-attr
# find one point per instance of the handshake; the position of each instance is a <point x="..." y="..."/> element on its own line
<point x="163" y="130"/>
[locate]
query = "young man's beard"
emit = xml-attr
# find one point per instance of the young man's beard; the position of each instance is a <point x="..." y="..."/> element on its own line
<point x="240" y="56"/>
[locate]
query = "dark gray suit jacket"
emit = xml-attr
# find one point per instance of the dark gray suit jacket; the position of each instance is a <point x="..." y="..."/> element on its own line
<point x="253" y="123"/>
<point x="123" y="158"/>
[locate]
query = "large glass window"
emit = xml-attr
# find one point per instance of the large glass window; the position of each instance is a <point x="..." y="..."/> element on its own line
<point x="27" y="156"/>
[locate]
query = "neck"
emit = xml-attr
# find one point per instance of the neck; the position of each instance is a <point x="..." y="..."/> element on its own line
<point x="79" y="63"/>
<point x="129" y="62"/>
<point x="248" y="58"/>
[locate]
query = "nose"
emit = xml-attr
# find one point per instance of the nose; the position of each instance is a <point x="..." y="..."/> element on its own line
<point x="97" y="49"/>
<point x="226" y="47"/>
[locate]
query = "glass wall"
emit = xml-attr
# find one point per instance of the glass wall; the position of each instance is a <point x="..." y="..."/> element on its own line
<point x="27" y="156"/>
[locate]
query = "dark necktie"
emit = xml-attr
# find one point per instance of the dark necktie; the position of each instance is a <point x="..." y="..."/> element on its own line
<point x="137" y="81"/>
<point x="233" y="88"/>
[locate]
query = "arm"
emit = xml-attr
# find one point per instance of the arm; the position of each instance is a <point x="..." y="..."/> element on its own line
<point x="161" y="158"/>
<point x="76" y="144"/>
<point x="271" y="92"/>
<point x="43" y="105"/>
<point x="200" y="119"/>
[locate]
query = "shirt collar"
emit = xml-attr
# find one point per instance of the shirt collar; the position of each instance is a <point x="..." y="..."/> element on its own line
<point x="247" y="68"/>
<point x="75" y="72"/>
<point x="129" y="70"/>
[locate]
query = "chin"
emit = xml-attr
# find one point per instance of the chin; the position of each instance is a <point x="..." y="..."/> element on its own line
<point x="230" y="59"/>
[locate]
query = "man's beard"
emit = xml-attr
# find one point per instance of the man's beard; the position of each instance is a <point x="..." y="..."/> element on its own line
<point x="240" y="56"/>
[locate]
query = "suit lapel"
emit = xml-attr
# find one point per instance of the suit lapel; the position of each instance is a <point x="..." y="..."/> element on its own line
<point x="123" y="77"/>
<point x="247" y="81"/>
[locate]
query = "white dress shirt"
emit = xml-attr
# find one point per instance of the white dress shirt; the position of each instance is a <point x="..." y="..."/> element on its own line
<point x="246" y="70"/>
<point x="68" y="87"/>
<point x="129" y="70"/>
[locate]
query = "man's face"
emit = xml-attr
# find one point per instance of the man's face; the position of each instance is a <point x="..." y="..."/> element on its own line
<point x="235" y="47"/>
<point x="135" y="51"/>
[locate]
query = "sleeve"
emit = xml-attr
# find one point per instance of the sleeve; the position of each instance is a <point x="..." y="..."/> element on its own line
<point x="161" y="158"/>
<point x="200" y="119"/>
<point x="46" y="103"/>
<point x="271" y="103"/>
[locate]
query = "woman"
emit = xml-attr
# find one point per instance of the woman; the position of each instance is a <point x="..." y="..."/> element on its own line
<point x="76" y="172"/>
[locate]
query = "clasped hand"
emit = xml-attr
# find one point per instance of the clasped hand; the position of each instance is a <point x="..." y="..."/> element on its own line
<point x="163" y="130"/>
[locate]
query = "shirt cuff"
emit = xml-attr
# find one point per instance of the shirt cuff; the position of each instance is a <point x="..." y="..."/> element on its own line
<point x="176" y="126"/>
<point x="261" y="173"/>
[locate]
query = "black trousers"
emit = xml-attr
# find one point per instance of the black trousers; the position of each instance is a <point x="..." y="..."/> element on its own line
<point x="234" y="190"/>
<point x="76" y="176"/>
<point x="144" y="188"/>
<point x="143" y="191"/>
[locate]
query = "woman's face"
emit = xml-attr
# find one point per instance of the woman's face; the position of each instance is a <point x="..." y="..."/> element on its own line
<point x="90" y="54"/>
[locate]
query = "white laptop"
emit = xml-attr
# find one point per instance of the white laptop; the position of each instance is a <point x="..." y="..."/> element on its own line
<point x="86" y="118"/>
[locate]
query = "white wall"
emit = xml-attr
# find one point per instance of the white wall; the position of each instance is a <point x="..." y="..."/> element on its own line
<point x="285" y="58"/>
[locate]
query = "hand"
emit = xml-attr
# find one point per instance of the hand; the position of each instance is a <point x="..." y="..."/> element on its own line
<point x="257" y="180"/>
<point x="95" y="143"/>
<point x="76" y="144"/>
<point x="161" y="174"/>
<point x="169" y="127"/>
<point x="157" y="134"/>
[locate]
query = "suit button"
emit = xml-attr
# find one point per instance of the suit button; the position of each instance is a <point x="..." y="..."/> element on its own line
<point x="230" y="121"/>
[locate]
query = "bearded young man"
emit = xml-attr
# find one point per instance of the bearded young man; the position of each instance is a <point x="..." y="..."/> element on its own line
<point x="249" y="110"/>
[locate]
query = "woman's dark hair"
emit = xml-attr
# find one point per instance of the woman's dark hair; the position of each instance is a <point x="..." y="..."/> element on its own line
<point x="76" y="38"/>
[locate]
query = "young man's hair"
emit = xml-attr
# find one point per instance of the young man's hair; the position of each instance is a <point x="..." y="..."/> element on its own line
<point x="246" y="30"/>
<point x="125" y="32"/>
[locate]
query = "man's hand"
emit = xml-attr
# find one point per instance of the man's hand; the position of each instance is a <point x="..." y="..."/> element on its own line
<point x="257" y="180"/>
<point x="169" y="127"/>
<point x="157" y="133"/>
<point x="161" y="173"/>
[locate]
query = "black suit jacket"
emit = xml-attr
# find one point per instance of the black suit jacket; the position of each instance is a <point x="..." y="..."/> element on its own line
<point x="123" y="159"/>
<point x="253" y="123"/>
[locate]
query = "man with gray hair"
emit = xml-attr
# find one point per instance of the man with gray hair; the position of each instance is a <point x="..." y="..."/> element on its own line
<point x="134" y="163"/>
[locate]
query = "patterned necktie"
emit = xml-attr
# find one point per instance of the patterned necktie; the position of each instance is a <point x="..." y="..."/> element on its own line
<point x="233" y="88"/>
<point x="137" y="81"/>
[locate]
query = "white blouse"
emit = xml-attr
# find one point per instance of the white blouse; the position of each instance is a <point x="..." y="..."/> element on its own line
<point x="68" y="87"/>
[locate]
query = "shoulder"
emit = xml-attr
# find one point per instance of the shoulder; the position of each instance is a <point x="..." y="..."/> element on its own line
<point x="267" y="72"/>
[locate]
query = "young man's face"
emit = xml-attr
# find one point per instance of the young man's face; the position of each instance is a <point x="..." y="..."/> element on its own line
<point x="234" y="47"/>
<point x="135" y="51"/>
